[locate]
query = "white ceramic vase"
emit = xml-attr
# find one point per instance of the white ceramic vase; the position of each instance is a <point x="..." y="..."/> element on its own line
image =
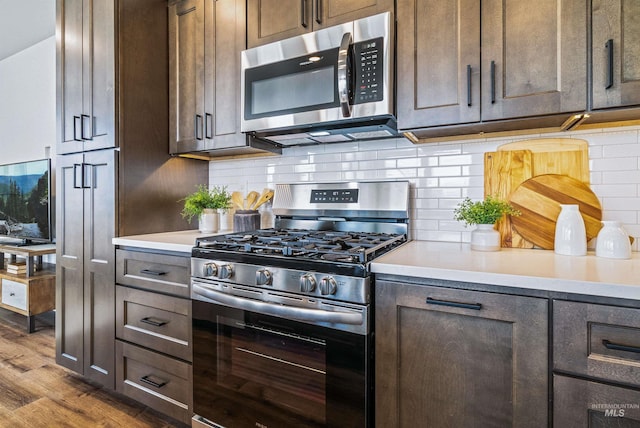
<point x="571" y="235"/>
<point x="612" y="241"/>
<point x="485" y="238"/>
<point x="209" y="221"/>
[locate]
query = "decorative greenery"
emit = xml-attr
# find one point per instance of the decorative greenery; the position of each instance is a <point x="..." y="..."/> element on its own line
<point x="198" y="201"/>
<point x="488" y="211"/>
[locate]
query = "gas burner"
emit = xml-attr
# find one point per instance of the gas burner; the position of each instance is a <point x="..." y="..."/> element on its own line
<point x="334" y="246"/>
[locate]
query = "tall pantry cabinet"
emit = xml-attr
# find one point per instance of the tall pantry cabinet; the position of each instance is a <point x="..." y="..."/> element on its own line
<point x="114" y="176"/>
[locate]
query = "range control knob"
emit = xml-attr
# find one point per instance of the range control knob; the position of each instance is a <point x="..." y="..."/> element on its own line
<point x="263" y="277"/>
<point x="328" y="285"/>
<point x="210" y="269"/>
<point x="307" y="283"/>
<point x="225" y="271"/>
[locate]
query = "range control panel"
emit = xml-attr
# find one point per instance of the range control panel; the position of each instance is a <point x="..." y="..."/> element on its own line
<point x="329" y="196"/>
<point x="368" y="71"/>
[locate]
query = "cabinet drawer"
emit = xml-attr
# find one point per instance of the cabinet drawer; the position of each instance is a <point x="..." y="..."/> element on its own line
<point x="14" y="294"/>
<point x="156" y="321"/>
<point x="156" y="272"/>
<point x="161" y="382"/>
<point x="597" y="340"/>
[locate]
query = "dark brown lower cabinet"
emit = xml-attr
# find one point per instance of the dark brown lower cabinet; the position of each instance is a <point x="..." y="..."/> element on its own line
<point x="579" y="403"/>
<point x="459" y="358"/>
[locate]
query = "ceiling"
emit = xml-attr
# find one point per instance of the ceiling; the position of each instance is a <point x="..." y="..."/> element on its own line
<point x="23" y="23"/>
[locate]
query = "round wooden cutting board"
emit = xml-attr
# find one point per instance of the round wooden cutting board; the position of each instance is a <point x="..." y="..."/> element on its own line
<point x="539" y="199"/>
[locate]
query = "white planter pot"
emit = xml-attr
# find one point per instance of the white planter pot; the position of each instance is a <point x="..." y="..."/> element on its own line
<point x="209" y="221"/>
<point x="485" y="238"/>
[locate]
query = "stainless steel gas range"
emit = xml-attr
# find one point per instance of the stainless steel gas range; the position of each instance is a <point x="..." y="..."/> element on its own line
<point x="282" y="317"/>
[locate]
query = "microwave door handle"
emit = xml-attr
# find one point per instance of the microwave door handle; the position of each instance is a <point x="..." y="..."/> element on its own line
<point x="343" y="74"/>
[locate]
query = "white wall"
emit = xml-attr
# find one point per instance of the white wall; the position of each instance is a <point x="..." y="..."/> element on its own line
<point x="28" y="103"/>
<point x="442" y="174"/>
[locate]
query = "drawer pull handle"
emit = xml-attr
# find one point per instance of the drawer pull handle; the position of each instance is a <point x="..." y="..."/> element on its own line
<point x="154" y="321"/>
<point x="474" y="306"/>
<point x="12" y="294"/>
<point x="154" y="381"/>
<point x="153" y="272"/>
<point x="610" y="345"/>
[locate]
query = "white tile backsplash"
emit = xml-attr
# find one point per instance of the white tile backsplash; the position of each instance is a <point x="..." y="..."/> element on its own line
<point x="441" y="174"/>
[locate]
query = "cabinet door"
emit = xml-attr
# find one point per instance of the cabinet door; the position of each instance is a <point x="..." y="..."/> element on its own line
<point x="327" y="13"/>
<point x="438" y="63"/>
<point x="272" y="20"/>
<point x="225" y="39"/>
<point x="459" y="358"/>
<point x="86" y="75"/>
<point x="616" y="53"/>
<point x="579" y="403"/>
<point x="187" y="74"/>
<point x="69" y="263"/>
<point x="99" y="266"/>
<point x="533" y="58"/>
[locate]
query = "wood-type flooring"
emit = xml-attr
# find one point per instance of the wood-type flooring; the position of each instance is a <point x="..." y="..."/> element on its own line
<point x="36" y="392"/>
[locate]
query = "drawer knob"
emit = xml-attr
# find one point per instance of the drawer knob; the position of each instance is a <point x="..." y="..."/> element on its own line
<point x="154" y="381"/>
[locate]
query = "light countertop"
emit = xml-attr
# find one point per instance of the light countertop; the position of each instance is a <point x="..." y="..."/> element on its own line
<point x="515" y="267"/>
<point x="182" y="241"/>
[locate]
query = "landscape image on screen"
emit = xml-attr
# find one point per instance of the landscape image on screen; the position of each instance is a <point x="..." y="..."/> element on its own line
<point x="24" y="200"/>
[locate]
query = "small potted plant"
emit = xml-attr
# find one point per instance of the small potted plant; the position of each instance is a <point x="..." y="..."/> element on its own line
<point x="484" y="214"/>
<point x="206" y="204"/>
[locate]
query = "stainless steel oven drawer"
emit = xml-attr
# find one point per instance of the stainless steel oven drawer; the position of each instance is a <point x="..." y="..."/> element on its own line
<point x="153" y="271"/>
<point x="158" y="381"/>
<point x="599" y="341"/>
<point x="156" y="321"/>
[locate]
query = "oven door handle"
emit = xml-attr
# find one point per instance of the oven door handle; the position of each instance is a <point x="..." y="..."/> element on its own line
<point x="299" y="314"/>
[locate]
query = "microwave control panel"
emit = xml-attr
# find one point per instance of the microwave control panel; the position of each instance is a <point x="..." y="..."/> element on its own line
<point x="368" y="58"/>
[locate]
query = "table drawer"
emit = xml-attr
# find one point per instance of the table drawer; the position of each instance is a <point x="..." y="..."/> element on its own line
<point x="156" y="321"/>
<point x="152" y="271"/>
<point x="158" y="381"/>
<point x="14" y="294"/>
<point x="597" y="340"/>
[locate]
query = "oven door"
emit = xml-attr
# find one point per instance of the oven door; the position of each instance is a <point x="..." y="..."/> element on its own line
<point x="256" y="370"/>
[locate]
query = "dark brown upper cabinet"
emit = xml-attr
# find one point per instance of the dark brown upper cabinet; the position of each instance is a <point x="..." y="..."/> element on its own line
<point x="469" y="62"/>
<point x="205" y="41"/>
<point x="272" y="20"/>
<point x="616" y="53"/>
<point x="86" y="70"/>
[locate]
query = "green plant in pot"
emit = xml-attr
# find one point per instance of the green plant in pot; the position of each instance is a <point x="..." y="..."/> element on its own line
<point x="484" y="215"/>
<point x="206" y="204"/>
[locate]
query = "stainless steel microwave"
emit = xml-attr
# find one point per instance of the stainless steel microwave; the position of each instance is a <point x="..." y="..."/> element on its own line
<point x="330" y="85"/>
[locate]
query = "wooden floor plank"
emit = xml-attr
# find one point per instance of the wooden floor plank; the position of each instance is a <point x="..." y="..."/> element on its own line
<point x="36" y="392"/>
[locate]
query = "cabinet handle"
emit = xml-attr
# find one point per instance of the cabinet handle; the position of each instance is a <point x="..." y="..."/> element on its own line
<point x="156" y="322"/>
<point x="303" y="13"/>
<point x="154" y="381"/>
<point x="469" y="85"/>
<point x="319" y="11"/>
<point x="75" y="176"/>
<point x="12" y="294"/>
<point x="474" y="306"/>
<point x="617" y="347"/>
<point x="609" y="47"/>
<point x="82" y="127"/>
<point x="153" y="272"/>
<point x="493" y="82"/>
<point x="198" y="126"/>
<point x="75" y="128"/>
<point x="208" y="125"/>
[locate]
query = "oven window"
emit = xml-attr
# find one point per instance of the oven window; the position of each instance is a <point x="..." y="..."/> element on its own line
<point x="256" y="370"/>
<point x="293" y="91"/>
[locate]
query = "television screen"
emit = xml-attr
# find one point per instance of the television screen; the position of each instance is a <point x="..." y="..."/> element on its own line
<point x="25" y="203"/>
